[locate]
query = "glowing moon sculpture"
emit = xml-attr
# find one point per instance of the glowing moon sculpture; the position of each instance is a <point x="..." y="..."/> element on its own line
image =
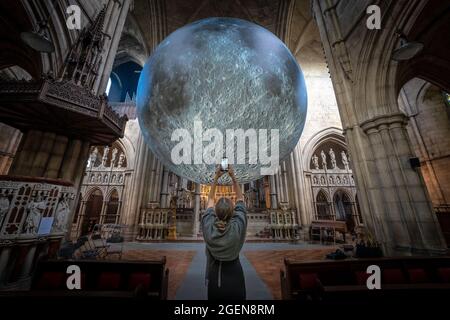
<point x="221" y="74"/>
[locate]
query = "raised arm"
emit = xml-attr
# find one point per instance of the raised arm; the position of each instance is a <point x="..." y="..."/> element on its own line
<point x="212" y="192"/>
<point x="236" y="186"/>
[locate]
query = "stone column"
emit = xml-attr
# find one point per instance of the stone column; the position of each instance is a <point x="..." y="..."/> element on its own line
<point x="273" y="193"/>
<point x="29" y="145"/>
<point x="139" y="192"/>
<point x="402" y="205"/>
<point x="184" y="183"/>
<point x="9" y="141"/>
<point x="80" y="219"/>
<point x="179" y="187"/>
<point x="44" y="154"/>
<point x="304" y="189"/>
<point x="284" y="181"/>
<point x="279" y="185"/>
<point x="158" y="181"/>
<point x="118" y="212"/>
<point x="195" y="228"/>
<point x="103" y="212"/>
<point x="165" y="189"/>
<point x="4" y="258"/>
<point x="266" y="194"/>
<point x="153" y="177"/>
<point x="28" y="262"/>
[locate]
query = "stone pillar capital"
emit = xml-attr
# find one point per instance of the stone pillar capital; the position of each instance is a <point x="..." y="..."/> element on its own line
<point x="384" y="122"/>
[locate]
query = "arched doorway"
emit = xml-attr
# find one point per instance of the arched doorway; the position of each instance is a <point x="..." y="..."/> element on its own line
<point x="112" y="209"/>
<point x="93" y="210"/>
<point x="323" y="210"/>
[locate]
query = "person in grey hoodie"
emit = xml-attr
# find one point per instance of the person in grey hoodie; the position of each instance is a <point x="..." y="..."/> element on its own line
<point x="224" y="227"/>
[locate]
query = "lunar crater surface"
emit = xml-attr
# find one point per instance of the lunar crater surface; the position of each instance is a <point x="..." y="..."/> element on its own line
<point x="229" y="74"/>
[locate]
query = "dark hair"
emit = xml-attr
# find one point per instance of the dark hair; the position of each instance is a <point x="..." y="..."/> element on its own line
<point x="224" y="209"/>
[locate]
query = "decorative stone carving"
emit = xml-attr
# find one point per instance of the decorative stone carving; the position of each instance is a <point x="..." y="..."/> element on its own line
<point x="105" y="156"/>
<point x="34" y="210"/>
<point x="113" y="157"/>
<point x="333" y="158"/>
<point x="183" y="199"/>
<point x="61" y="215"/>
<point x="250" y="198"/>
<point x="283" y="223"/>
<point x="93" y="157"/>
<point x="324" y="160"/>
<point x="344" y="160"/>
<point x="284" y="205"/>
<point x="121" y="160"/>
<point x="345" y="180"/>
<point x="315" y="161"/>
<point x="315" y="180"/>
<point x="154" y="223"/>
<point x="4" y="206"/>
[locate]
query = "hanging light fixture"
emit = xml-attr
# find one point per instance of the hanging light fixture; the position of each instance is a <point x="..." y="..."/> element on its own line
<point x="37" y="39"/>
<point x="407" y="49"/>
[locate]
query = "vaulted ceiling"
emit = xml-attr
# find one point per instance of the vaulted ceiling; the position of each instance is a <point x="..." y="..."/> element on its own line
<point x="263" y="12"/>
<point x="290" y="20"/>
<point x="13" y="21"/>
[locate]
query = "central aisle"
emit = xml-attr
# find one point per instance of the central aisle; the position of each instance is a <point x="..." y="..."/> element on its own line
<point x="193" y="286"/>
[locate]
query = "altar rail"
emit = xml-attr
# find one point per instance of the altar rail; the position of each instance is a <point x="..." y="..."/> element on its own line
<point x="153" y="224"/>
<point x="274" y="224"/>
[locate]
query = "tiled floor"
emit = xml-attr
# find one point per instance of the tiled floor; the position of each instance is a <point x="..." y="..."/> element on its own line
<point x="261" y="263"/>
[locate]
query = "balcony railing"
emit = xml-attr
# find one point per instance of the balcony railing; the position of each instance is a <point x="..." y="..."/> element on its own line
<point x="25" y="104"/>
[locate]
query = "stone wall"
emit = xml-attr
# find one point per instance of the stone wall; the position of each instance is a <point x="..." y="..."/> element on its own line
<point x="429" y="131"/>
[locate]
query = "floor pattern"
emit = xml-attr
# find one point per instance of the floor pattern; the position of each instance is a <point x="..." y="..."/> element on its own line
<point x="261" y="263"/>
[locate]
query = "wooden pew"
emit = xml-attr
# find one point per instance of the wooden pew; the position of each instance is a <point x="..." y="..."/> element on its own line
<point x="100" y="279"/>
<point x="345" y="280"/>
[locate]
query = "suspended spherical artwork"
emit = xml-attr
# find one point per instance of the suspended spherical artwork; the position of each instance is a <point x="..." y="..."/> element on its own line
<point x="221" y="87"/>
